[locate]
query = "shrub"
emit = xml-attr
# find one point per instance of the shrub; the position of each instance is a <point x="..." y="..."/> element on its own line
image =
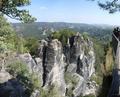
<point x="51" y="92"/>
<point x="63" y="35"/>
<point x="21" y="72"/>
<point x="85" y="35"/>
<point x="71" y="80"/>
<point x="98" y="79"/>
<point x="32" y="45"/>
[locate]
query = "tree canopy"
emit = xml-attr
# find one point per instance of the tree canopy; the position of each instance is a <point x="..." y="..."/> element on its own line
<point x="63" y="35"/>
<point x="7" y="35"/>
<point x="11" y="8"/>
<point x="110" y="5"/>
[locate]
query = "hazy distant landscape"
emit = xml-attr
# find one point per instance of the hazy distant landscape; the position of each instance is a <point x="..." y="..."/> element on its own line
<point x="43" y="29"/>
<point x="76" y="57"/>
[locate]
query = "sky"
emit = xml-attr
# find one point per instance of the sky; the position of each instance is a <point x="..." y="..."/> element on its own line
<point x="73" y="11"/>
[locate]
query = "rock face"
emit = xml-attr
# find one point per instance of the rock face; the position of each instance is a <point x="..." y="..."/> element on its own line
<point x="81" y="61"/>
<point x="54" y="65"/>
<point x="34" y="65"/>
<point x="26" y="58"/>
<point x="12" y="88"/>
<point x="76" y="58"/>
<point x="69" y="68"/>
<point x="4" y="76"/>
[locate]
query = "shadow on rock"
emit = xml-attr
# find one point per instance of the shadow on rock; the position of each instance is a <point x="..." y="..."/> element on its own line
<point x="12" y="88"/>
<point x="107" y="80"/>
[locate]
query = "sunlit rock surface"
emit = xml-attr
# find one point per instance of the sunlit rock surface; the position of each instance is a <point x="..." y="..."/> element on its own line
<point x="77" y="57"/>
<point x="81" y="59"/>
<point x="4" y="76"/>
<point x="55" y="65"/>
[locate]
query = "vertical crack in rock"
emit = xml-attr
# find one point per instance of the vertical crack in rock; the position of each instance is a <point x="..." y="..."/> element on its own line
<point x="79" y="66"/>
<point x="53" y="65"/>
<point x="44" y="67"/>
<point x="81" y="62"/>
<point x="42" y="56"/>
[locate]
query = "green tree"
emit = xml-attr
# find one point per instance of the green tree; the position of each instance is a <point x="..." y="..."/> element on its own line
<point x="7" y="35"/>
<point x="20" y="44"/>
<point x="11" y="8"/>
<point x="9" y="40"/>
<point x="99" y="54"/>
<point x="110" y="5"/>
<point x="63" y="35"/>
<point x="21" y="72"/>
<point x="85" y="35"/>
<point x="32" y="45"/>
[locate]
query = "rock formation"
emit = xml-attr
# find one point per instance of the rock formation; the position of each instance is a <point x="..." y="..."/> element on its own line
<point x="76" y="58"/>
<point x="67" y="68"/>
<point x="82" y="59"/>
<point x="54" y="65"/>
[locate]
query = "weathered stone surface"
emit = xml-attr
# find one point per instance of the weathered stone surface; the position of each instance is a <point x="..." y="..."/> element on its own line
<point x="54" y="66"/>
<point x="39" y="69"/>
<point x="81" y="61"/>
<point x="27" y="59"/>
<point x="77" y="58"/>
<point x="4" y="76"/>
<point x="34" y="65"/>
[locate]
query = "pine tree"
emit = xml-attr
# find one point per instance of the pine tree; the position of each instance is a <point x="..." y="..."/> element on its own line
<point x="11" y="9"/>
<point x="110" y="5"/>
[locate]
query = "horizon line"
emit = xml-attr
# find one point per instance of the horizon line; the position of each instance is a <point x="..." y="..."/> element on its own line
<point x="65" y="22"/>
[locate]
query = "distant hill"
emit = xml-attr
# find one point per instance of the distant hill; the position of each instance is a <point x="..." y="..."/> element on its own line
<point x="43" y="29"/>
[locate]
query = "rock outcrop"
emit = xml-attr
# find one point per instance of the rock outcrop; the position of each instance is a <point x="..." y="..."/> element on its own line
<point x="69" y="68"/>
<point x="12" y="88"/>
<point x="34" y="65"/>
<point x="81" y="61"/>
<point x="4" y="76"/>
<point x="53" y="64"/>
<point x="76" y="58"/>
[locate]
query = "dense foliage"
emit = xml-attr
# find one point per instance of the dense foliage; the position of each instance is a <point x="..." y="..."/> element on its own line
<point x="99" y="53"/>
<point x="11" y="43"/>
<point x="71" y="80"/>
<point x="9" y="40"/>
<point x="51" y="92"/>
<point x="63" y="35"/>
<point x="32" y="45"/>
<point x="11" y="8"/>
<point x="7" y="36"/>
<point x="20" y="71"/>
<point x="110" y="5"/>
